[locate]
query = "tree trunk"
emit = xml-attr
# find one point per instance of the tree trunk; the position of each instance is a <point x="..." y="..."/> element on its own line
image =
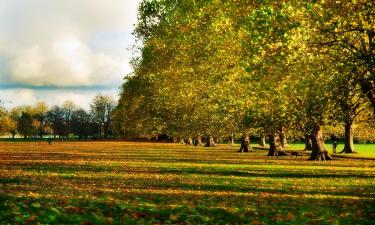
<point x="210" y="142"/>
<point x="231" y="139"/>
<point x="245" y="142"/>
<point x="283" y="139"/>
<point x="100" y="132"/>
<point x="13" y="135"/>
<point x="368" y="88"/>
<point x="276" y="148"/>
<point x="262" y="140"/>
<point x="308" y="143"/>
<point x="319" y="151"/>
<point x="189" y="141"/>
<point x="348" y="139"/>
<point x="156" y="137"/>
<point x="198" y="141"/>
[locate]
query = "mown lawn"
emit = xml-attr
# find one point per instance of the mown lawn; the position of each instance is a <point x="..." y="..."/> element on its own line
<point x="363" y="150"/>
<point x="146" y="183"/>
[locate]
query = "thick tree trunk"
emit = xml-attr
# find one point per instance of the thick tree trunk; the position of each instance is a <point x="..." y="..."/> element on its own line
<point x="156" y="137"/>
<point x="348" y="139"/>
<point x="189" y="141"/>
<point x="198" y="141"/>
<point x="283" y="139"/>
<point x="276" y="148"/>
<point x="308" y="143"/>
<point x="245" y="142"/>
<point x="210" y="142"/>
<point x="262" y="140"/>
<point x="319" y="151"/>
<point x="13" y="135"/>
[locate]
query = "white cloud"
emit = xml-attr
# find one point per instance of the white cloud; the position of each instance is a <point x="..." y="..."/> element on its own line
<point x="18" y="97"/>
<point x="81" y="99"/>
<point x="55" y="43"/>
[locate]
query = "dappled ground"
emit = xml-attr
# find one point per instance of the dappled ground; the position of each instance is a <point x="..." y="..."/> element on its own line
<point x="127" y="182"/>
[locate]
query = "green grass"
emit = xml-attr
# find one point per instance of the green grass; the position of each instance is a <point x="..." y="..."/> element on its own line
<point x="363" y="150"/>
<point x="148" y="183"/>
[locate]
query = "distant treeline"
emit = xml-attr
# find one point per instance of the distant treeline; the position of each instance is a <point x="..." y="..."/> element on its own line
<point x="63" y="121"/>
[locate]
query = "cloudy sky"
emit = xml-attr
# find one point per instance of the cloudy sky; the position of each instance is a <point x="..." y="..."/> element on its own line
<point x="57" y="50"/>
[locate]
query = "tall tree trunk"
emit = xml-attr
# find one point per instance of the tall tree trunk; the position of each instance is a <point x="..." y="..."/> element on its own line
<point x="198" y="141"/>
<point x="276" y="148"/>
<point x="262" y="140"/>
<point x="245" y="141"/>
<point x="13" y="135"/>
<point x="231" y="139"/>
<point x="283" y="139"/>
<point x="308" y="142"/>
<point x="319" y="151"/>
<point x="348" y="139"/>
<point x="156" y="137"/>
<point x="210" y="141"/>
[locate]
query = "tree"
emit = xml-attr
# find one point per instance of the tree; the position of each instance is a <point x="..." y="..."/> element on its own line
<point x="25" y="124"/>
<point x="68" y="107"/>
<point x="82" y="124"/>
<point x="101" y="110"/>
<point x="56" y="120"/>
<point x="346" y="29"/>
<point x="40" y="111"/>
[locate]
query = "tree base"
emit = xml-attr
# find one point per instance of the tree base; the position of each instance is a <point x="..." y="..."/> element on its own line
<point x="348" y="151"/>
<point x="322" y="156"/>
<point x="277" y="153"/>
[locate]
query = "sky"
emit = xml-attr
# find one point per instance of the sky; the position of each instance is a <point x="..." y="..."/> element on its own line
<point x="58" y="50"/>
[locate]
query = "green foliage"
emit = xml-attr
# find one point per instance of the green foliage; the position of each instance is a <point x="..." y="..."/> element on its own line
<point x="215" y="68"/>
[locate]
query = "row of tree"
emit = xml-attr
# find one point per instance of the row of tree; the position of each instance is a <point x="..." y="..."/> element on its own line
<point x="215" y="68"/>
<point x="59" y="121"/>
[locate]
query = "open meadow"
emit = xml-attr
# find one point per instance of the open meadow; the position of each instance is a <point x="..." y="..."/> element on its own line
<point x="153" y="183"/>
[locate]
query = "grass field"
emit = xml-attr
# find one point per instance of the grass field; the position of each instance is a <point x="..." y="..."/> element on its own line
<point x="147" y="183"/>
<point x="363" y="150"/>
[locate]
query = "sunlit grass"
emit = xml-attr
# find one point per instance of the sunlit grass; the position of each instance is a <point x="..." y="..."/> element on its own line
<point x="127" y="182"/>
<point x="365" y="150"/>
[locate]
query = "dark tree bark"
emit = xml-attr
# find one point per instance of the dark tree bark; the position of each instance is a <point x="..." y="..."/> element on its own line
<point x="245" y="141"/>
<point x="368" y="88"/>
<point x="210" y="142"/>
<point x="319" y="151"/>
<point x="348" y="139"/>
<point x="308" y="143"/>
<point x="276" y="148"/>
<point x="262" y="140"/>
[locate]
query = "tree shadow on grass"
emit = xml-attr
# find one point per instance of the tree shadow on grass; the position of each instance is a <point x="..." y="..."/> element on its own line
<point x="267" y="173"/>
<point x="183" y="208"/>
